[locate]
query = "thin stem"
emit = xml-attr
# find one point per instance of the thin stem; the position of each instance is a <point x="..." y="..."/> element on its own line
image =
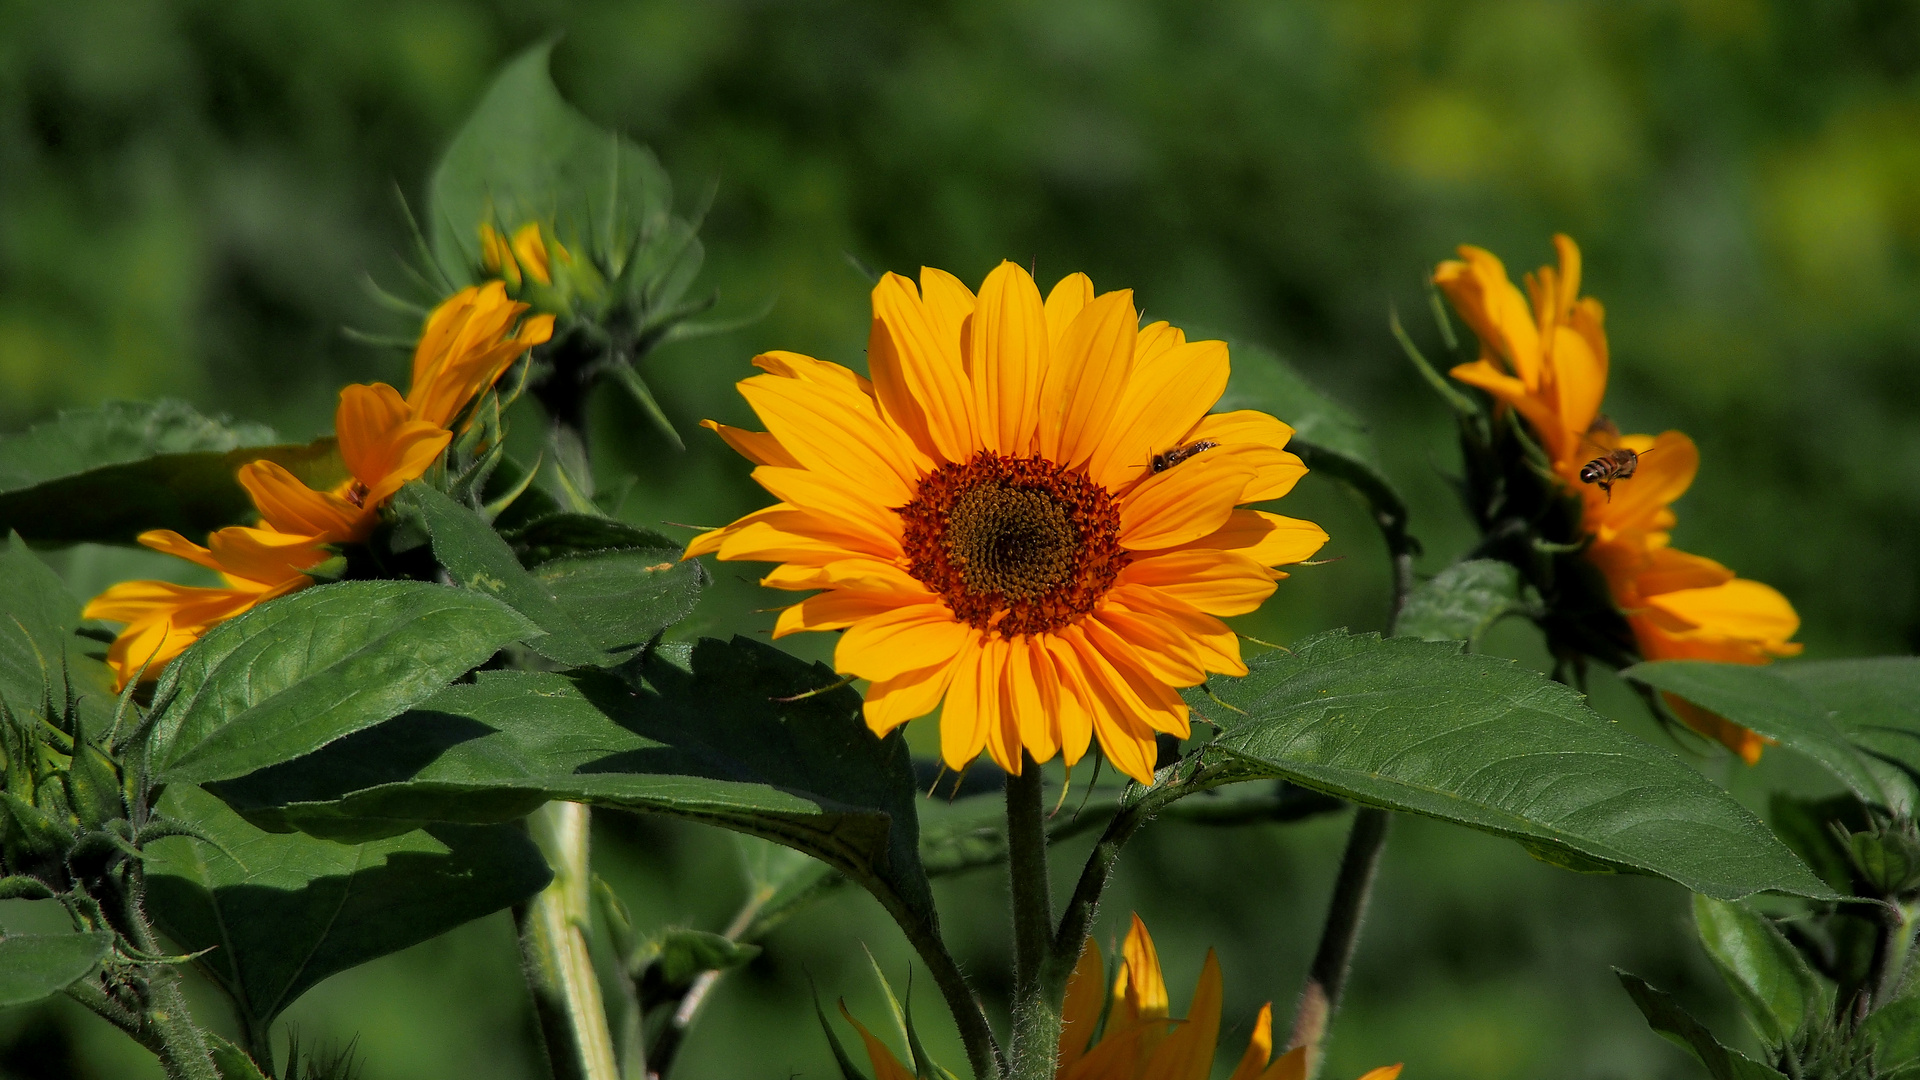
<point x="566" y="991"/>
<point x="983" y="1053"/>
<point x="697" y="995"/>
<point x="1036" y="1032"/>
<point x="1327" y="978"/>
<point x="1890" y="952"/>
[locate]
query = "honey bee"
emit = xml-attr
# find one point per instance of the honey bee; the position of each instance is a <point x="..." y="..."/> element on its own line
<point x="1614" y="465"/>
<point x="1163" y="462"/>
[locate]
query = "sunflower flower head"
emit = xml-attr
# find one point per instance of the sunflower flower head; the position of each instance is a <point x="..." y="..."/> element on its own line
<point x="1544" y="355"/>
<point x="385" y="441"/>
<point x="1139" y="1038"/>
<point x="1027" y="517"/>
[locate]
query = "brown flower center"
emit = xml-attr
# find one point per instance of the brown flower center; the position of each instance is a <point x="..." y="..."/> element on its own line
<point x="1017" y="545"/>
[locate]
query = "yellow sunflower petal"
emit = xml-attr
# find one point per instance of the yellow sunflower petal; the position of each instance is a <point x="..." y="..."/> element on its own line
<point x="1484" y="296"/>
<point x="837" y="431"/>
<point x="909" y="696"/>
<point x="1165" y="397"/>
<point x="1187" y="1053"/>
<point x="1166" y="653"/>
<point x="1184" y="503"/>
<point x="1075" y="716"/>
<point x="831" y="495"/>
<point x="1215" y="646"/>
<point x="756" y="446"/>
<point x="793" y="365"/>
<point x="863" y="575"/>
<point x="791" y="535"/>
<point x="949" y="304"/>
<point x="1005" y="354"/>
<point x="1125" y="739"/>
<point x="1291" y="1065"/>
<point x="900" y="641"/>
<point x="997" y="706"/>
<point x="1216" y="582"/>
<point x="1090" y="366"/>
<point x="1268" y="539"/>
<point x="1259" y="1047"/>
<point x="1150" y="700"/>
<point x="963" y="716"/>
<point x="1665" y="471"/>
<point x="1140" y="987"/>
<point x="291" y="506"/>
<point x="834" y="610"/>
<point x="1033" y="692"/>
<point x="1064" y="301"/>
<point x="916" y="365"/>
<point x="1739" y="609"/>
<point x="885" y="1065"/>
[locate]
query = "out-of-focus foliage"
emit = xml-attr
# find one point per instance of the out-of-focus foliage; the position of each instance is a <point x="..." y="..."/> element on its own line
<point x="190" y="191"/>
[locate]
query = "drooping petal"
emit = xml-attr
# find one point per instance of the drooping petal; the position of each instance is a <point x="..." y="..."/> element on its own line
<point x="964" y="716"/>
<point x="902" y="640"/>
<point x="1740" y="609"/>
<point x="1033" y="694"/>
<point x="1500" y="317"/>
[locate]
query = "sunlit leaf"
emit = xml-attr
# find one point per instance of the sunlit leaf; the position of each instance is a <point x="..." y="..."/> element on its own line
<point x="299" y="672"/>
<point x="1421" y="727"/>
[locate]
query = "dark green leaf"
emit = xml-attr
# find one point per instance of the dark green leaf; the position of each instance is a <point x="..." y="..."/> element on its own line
<point x="526" y="155"/>
<point x="110" y="473"/>
<point x="1806" y="826"/>
<point x="1665" y="1016"/>
<point x="477" y="559"/>
<point x="682" y="954"/>
<point x="1463" y="602"/>
<point x="37" y="966"/>
<point x="1768" y="975"/>
<point x="1816" y="709"/>
<point x="714" y="744"/>
<point x="38" y="650"/>
<point x="1421" y="727"/>
<point x="299" y="672"/>
<point x="282" y="913"/>
<point x="558" y="535"/>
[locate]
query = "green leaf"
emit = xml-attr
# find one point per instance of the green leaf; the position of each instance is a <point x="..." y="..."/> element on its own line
<point x="299" y="672"/>
<point x="38" y="650"/>
<point x="597" y="609"/>
<point x="683" y="954"/>
<point x="622" y="600"/>
<point x="110" y="473"/>
<point x="1665" y="1016"/>
<point x="1463" y="602"/>
<point x="1421" y="727"/>
<point x="1769" y="976"/>
<point x="1806" y="826"/>
<point x="559" y="535"/>
<point x="714" y="744"/>
<point x="37" y="966"/>
<point x="282" y="913"/>
<point x="231" y="1062"/>
<point x="1817" y="709"/>
<point x="1894" y="1032"/>
<point x="526" y="155"/>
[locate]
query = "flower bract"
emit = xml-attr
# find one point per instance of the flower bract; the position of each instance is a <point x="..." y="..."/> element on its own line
<point x="1027" y="517"/>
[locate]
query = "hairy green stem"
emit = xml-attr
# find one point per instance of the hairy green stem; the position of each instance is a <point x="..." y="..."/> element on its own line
<point x="983" y="1053"/>
<point x="1327" y="977"/>
<point x="1036" y="1029"/>
<point x="182" y="1047"/>
<point x="553" y="947"/>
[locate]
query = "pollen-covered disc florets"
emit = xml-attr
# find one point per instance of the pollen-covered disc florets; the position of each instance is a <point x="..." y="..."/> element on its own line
<point x="1014" y="545"/>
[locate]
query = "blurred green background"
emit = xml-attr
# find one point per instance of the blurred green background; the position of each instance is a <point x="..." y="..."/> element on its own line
<point x="193" y="192"/>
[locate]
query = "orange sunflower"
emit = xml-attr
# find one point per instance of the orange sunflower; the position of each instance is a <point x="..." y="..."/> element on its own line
<point x="1548" y="360"/>
<point x="385" y="441"/>
<point x="1140" y="1039"/>
<point x="1027" y="513"/>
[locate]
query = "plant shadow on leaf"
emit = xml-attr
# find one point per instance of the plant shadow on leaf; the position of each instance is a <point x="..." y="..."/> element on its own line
<point x="714" y="743"/>
<point x="281" y="913"/>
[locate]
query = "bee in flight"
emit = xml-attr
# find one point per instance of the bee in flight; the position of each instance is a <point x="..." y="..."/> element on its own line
<point x="1615" y="465"/>
<point x="1162" y="462"/>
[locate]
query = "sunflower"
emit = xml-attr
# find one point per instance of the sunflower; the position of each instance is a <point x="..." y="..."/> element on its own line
<point x="1026" y="513"/>
<point x="385" y="441"/>
<point x="1140" y="1039"/>
<point x="1548" y="360"/>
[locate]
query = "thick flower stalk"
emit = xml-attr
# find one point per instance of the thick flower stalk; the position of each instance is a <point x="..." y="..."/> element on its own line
<point x="1547" y="359"/>
<point x="385" y="441"/>
<point x="1027" y="514"/>
<point x="1140" y="1039"/>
